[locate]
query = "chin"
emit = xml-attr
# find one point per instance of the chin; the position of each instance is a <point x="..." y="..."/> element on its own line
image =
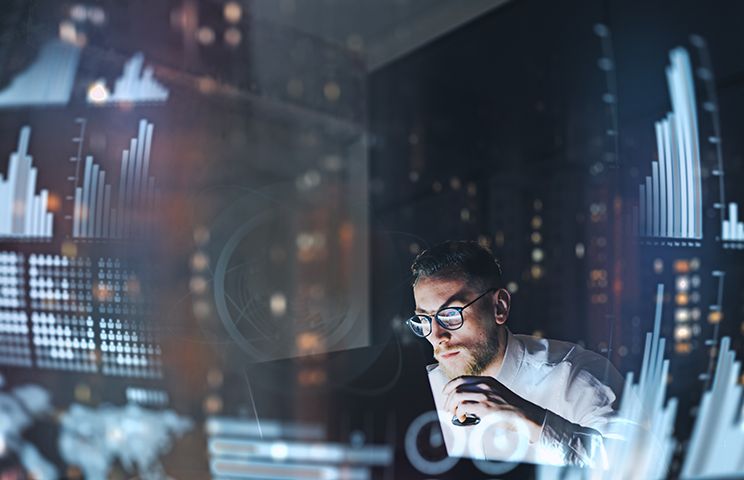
<point x="455" y="368"/>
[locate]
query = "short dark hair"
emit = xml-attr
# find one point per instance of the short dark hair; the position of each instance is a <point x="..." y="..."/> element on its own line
<point x="458" y="259"/>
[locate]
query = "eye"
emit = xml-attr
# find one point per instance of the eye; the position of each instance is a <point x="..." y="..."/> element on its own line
<point x="416" y="320"/>
<point x="449" y="313"/>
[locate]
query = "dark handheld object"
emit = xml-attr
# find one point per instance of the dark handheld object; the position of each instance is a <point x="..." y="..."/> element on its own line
<point x="470" y="419"/>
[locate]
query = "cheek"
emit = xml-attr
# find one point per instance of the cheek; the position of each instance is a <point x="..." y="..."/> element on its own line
<point x="473" y="335"/>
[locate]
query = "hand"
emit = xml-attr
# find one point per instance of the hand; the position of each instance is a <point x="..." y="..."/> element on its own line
<point x="486" y="395"/>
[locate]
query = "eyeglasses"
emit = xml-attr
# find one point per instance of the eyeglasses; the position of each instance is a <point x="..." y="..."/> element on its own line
<point x="449" y="318"/>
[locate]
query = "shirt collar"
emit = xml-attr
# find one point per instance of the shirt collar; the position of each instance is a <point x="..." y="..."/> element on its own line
<point x="513" y="357"/>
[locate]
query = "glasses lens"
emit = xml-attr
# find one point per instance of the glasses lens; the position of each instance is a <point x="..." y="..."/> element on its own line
<point x="420" y="325"/>
<point x="450" y="317"/>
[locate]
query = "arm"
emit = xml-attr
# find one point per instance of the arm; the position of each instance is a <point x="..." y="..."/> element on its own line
<point x="556" y="439"/>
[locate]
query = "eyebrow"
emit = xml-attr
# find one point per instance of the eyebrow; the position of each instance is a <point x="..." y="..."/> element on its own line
<point x="461" y="296"/>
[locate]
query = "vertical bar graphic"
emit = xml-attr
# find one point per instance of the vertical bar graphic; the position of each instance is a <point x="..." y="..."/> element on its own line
<point x="93" y="202"/>
<point x="642" y="208"/>
<point x="85" y="211"/>
<point x="669" y="173"/>
<point x="22" y="210"/>
<point x="130" y="187"/>
<point x="655" y="197"/>
<point x="99" y="204"/>
<point x="138" y="84"/>
<point x="32" y="214"/>
<point x="122" y="192"/>
<point x="148" y="146"/>
<point x="114" y="220"/>
<point x="30" y="201"/>
<point x="138" y="171"/>
<point x="43" y="204"/>
<point x="674" y="191"/>
<point x="733" y="220"/>
<point x="21" y="184"/>
<point x="104" y="211"/>
<point x="662" y="182"/>
<point x="732" y="229"/>
<point x="649" y="207"/>
<point x="10" y="193"/>
<point x="76" y="212"/>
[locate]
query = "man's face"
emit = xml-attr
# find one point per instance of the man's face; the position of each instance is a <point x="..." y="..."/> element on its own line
<point x="469" y="349"/>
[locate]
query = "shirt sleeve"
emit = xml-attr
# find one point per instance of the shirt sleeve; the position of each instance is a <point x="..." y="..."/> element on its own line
<point x="577" y="438"/>
<point x="569" y="443"/>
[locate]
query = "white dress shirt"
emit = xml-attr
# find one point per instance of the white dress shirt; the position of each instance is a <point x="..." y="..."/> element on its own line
<point x="577" y="387"/>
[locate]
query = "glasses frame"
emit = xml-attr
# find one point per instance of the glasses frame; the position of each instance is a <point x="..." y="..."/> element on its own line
<point x="440" y="322"/>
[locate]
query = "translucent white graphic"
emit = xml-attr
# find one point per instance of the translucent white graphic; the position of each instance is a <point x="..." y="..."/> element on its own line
<point x="47" y="81"/>
<point x="100" y="213"/>
<point x="136" y="84"/>
<point x="242" y="448"/>
<point x="19" y="409"/>
<point x="147" y="396"/>
<point x="421" y="454"/>
<point x="24" y="214"/>
<point x="670" y="201"/>
<point x="732" y="232"/>
<point x="129" y="349"/>
<point x="64" y="342"/>
<point x="639" y="442"/>
<point x="732" y="229"/>
<point x="717" y="441"/>
<point x="14" y="345"/>
<point x="94" y="438"/>
<point x="60" y="283"/>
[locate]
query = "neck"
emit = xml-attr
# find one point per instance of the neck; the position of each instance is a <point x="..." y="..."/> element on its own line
<point x="494" y="366"/>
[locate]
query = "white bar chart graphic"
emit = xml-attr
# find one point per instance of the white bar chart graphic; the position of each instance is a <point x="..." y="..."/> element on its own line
<point x="47" y="81"/>
<point x="136" y="84"/>
<point x="671" y="200"/>
<point x="718" y="437"/>
<point x="24" y="214"/>
<point x="732" y="229"/>
<point x="639" y="439"/>
<point x="241" y="448"/>
<point x="102" y="213"/>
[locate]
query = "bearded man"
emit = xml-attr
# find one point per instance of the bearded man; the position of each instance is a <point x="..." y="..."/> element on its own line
<point x="555" y="396"/>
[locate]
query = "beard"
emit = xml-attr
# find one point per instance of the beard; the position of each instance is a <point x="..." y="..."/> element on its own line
<point x="475" y="357"/>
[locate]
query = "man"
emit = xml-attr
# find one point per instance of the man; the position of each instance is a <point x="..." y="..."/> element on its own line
<point x="554" y="396"/>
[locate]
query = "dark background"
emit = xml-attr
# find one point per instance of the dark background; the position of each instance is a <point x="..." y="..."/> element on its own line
<point x="495" y="132"/>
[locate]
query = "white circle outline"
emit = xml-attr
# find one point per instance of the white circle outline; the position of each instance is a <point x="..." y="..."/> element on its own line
<point x="414" y="456"/>
<point x="475" y="444"/>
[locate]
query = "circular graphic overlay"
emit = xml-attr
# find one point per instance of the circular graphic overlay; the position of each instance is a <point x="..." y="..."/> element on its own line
<point x="425" y="444"/>
<point x="280" y="283"/>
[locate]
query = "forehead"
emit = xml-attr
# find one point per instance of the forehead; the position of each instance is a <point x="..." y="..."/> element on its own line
<point x="431" y="293"/>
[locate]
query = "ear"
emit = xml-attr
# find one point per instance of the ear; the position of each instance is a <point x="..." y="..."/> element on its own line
<point x="501" y="305"/>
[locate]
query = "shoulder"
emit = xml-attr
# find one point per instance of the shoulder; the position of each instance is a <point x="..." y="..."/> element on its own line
<point x="580" y="367"/>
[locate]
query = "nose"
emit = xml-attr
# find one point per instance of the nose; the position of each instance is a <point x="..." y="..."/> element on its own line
<point x="438" y="333"/>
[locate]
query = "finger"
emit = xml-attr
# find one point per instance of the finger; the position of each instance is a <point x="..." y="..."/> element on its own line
<point x="454" y="396"/>
<point x="465" y="379"/>
<point x="457" y="398"/>
<point x="481" y="388"/>
<point x="478" y="388"/>
<point x="452" y="385"/>
<point x="463" y="409"/>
